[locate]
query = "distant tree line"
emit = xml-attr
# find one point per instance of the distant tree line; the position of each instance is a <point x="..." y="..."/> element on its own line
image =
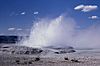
<point x="9" y="39"/>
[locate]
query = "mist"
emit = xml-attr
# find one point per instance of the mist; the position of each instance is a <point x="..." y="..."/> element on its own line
<point x="62" y="31"/>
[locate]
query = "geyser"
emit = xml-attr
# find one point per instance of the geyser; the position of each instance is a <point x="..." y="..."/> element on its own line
<point x="48" y="32"/>
<point x="61" y="31"/>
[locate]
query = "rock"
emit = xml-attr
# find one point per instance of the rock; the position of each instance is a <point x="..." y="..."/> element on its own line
<point x="66" y="58"/>
<point x="56" y="52"/>
<point x="12" y="52"/>
<point x="37" y="59"/>
<point x="36" y="51"/>
<point x="61" y="49"/>
<point x="17" y="61"/>
<point x="74" y="60"/>
<point x="18" y="49"/>
<point x="27" y="52"/>
<point x="40" y="51"/>
<point x="71" y="51"/>
<point x="30" y="62"/>
<point x="5" y="47"/>
<point x="25" y="62"/>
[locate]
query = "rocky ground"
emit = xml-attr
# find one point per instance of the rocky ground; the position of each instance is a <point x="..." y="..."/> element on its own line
<point x="81" y="58"/>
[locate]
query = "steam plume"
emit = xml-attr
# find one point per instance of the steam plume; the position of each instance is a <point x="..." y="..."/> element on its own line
<point x="62" y="31"/>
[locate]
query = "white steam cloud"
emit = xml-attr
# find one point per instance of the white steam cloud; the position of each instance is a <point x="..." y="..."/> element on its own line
<point x="23" y="13"/>
<point x="62" y="31"/>
<point x="93" y="17"/>
<point x="35" y="13"/>
<point x="11" y="29"/>
<point x="19" y="29"/>
<point x="86" y="8"/>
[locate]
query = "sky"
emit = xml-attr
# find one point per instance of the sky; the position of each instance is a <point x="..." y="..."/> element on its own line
<point x="17" y="16"/>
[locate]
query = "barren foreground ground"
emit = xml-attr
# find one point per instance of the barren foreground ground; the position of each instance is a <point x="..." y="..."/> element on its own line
<point x="83" y="58"/>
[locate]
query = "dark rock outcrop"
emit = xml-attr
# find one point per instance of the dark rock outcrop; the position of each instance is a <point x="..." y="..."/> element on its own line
<point x="17" y="49"/>
<point x="62" y="49"/>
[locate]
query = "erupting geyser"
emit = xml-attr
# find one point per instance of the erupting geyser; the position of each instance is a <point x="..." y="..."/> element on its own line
<point x="62" y="31"/>
<point x="54" y="32"/>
